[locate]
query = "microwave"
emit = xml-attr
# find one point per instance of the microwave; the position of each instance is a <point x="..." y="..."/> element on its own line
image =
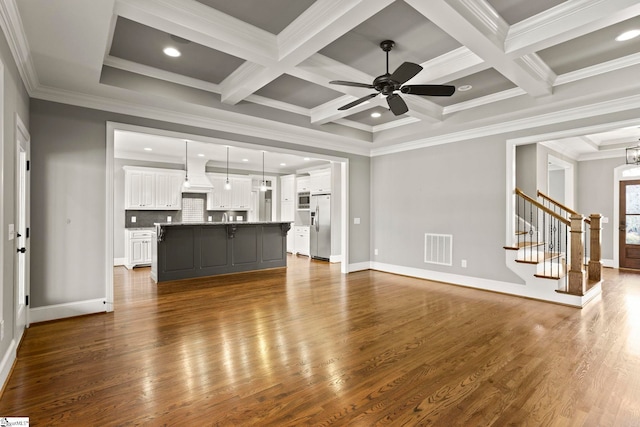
<point x="304" y="200"/>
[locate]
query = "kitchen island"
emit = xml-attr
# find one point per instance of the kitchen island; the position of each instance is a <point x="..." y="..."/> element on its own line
<point x="187" y="250"/>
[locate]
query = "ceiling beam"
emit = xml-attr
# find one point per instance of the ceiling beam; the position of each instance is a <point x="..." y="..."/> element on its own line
<point x="475" y="24"/>
<point x="571" y="19"/>
<point x="318" y="26"/>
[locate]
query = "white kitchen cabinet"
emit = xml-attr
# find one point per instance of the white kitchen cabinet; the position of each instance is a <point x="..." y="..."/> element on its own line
<point x="152" y="189"/>
<point x="302" y="239"/>
<point x="139" y="189"/>
<point x="236" y="198"/>
<point x="320" y="181"/>
<point x="138" y="247"/>
<point x="303" y="184"/>
<point x="241" y="197"/>
<point x="169" y="190"/>
<point x="287" y="188"/>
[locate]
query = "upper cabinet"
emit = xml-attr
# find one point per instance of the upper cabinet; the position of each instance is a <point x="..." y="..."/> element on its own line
<point x="320" y="181"/>
<point x="287" y="188"/>
<point x="238" y="197"/>
<point x="303" y="184"/>
<point x="152" y="189"/>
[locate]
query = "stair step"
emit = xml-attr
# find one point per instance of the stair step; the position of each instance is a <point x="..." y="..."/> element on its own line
<point x="523" y="245"/>
<point x="544" y="276"/>
<point x="538" y="257"/>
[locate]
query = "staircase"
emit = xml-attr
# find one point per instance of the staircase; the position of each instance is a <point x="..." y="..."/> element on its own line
<point x="549" y="238"/>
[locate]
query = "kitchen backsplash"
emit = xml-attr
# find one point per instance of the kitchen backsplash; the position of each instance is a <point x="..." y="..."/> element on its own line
<point x="193" y="210"/>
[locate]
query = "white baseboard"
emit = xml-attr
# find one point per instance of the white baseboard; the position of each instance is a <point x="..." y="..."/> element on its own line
<point x="509" y="288"/>
<point x="119" y="261"/>
<point x="608" y="263"/>
<point x="359" y="266"/>
<point x="60" y="311"/>
<point x="7" y="362"/>
<point x="335" y="258"/>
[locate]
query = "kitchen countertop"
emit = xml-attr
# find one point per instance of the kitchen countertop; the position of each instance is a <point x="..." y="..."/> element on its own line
<point x="168" y="224"/>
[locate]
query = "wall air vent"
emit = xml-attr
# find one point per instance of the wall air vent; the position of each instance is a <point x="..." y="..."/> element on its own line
<point x="438" y="249"/>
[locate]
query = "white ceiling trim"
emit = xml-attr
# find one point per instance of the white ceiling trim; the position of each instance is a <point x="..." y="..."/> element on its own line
<point x="464" y="24"/>
<point x="206" y="118"/>
<point x="394" y="124"/>
<point x="450" y="66"/>
<point x="582" y="112"/>
<point x="568" y="20"/>
<point x="284" y="106"/>
<point x="355" y="125"/>
<point x="484" y="100"/>
<point x="602" y="68"/>
<point x="145" y="70"/>
<point x="201" y="24"/>
<point x="11" y="25"/>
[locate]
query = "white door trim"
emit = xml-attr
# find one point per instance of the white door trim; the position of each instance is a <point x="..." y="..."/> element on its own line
<point x="23" y="142"/>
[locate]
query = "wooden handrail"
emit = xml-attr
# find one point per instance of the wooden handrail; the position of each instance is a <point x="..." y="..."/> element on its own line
<point x="543" y="208"/>
<point x="561" y="206"/>
<point x="555" y="202"/>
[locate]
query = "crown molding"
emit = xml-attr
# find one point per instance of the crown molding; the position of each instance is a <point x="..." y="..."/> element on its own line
<point x="203" y="117"/>
<point x="484" y="100"/>
<point x="533" y="63"/>
<point x="594" y="70"/>
<point x="13" y="30"/>
<point x="487" y="16"/>
<point x="545" y="119"/>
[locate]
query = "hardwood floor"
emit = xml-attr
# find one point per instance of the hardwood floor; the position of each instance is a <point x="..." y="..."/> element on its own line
<point x="309" y="346"/>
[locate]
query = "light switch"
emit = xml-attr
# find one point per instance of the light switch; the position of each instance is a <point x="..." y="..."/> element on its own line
<point x="209" y="218"/>
<point x="133" y="219"/>
<point x="168" y="219"/>
<point x="605" y="220"/>
<point x="11" y="231"/>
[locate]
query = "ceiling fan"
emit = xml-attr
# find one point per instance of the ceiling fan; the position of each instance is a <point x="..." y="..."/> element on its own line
<point x="390" y="84"/>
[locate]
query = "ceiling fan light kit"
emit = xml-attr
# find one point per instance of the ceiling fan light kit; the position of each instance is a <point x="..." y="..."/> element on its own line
<point x="390" y="85"/>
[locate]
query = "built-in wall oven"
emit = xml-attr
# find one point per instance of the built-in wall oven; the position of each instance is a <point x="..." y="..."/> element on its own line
<point x="304" y="201"/>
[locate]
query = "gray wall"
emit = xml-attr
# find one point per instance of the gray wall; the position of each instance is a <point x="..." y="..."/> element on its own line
<point x="527" y="169"/>
<point x="595" y="195"/>
<point x="437" y="190"/>
<point x="69" y="198"/>
<point x="15" y="101"/>
<point x="556" y="185"/>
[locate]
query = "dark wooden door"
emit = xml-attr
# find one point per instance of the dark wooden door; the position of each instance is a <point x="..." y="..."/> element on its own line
<point x="630" y="224"/>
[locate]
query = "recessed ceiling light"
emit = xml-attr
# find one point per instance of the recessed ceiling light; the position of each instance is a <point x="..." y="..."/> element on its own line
<point x="628" y="35"/>
<point x="147" y="149"/>
<point x="171" y="51"/>
<point x="375" y="114"/>
<point x="200" y="155"/>
<point x="464" y="88"/>
<point x="306" y="159"/>
<point x="283" y="164"/>
<point x="245" y="160"/>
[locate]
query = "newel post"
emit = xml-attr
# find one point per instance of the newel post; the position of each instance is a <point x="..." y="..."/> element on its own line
<point x="595" y="249"/>
<point x="577" y="273"/>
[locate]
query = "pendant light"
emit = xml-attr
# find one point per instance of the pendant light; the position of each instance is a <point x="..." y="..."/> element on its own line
<point x="227" y="184"/>
<point x="186" y="183"/>
<point x="263" y="187"/>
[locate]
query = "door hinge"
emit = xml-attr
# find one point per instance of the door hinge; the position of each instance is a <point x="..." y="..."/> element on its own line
<point x="26" y="300"/>
<point x="27" y="232"/>
<point x="28" y="164"/>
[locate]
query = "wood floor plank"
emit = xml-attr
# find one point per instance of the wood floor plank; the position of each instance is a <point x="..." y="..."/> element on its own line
<point x="307" y="345"/>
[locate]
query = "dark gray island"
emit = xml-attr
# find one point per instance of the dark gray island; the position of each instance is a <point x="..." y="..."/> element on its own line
<point x="187" y="250"/>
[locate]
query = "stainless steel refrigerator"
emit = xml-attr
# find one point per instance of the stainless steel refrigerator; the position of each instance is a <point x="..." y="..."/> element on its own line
<point x="320" y="236"/>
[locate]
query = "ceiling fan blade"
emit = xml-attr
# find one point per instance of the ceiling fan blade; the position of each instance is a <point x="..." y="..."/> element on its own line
<point x="405" y="71"/>
<point x="354" y="84"/>
<point x="429" y="90"/>
<point x="357" y="101"/>
<point x="397" y="104"/>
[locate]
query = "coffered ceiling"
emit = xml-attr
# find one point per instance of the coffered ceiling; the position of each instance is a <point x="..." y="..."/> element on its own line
<point x="261" y="69"/>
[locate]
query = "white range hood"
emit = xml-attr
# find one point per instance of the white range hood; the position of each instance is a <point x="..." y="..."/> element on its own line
<point x="198" y="180"/>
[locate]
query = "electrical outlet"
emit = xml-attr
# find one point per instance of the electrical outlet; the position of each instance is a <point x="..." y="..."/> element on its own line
<point x="209" y="218"/>
<point x="375" y="252"/>
<point x="356" y="221"/>
<point x="463" y="263"/>
<point x="605" y="220"/>
<point x="133" y="219"/>
<point x="168" y="219"/>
